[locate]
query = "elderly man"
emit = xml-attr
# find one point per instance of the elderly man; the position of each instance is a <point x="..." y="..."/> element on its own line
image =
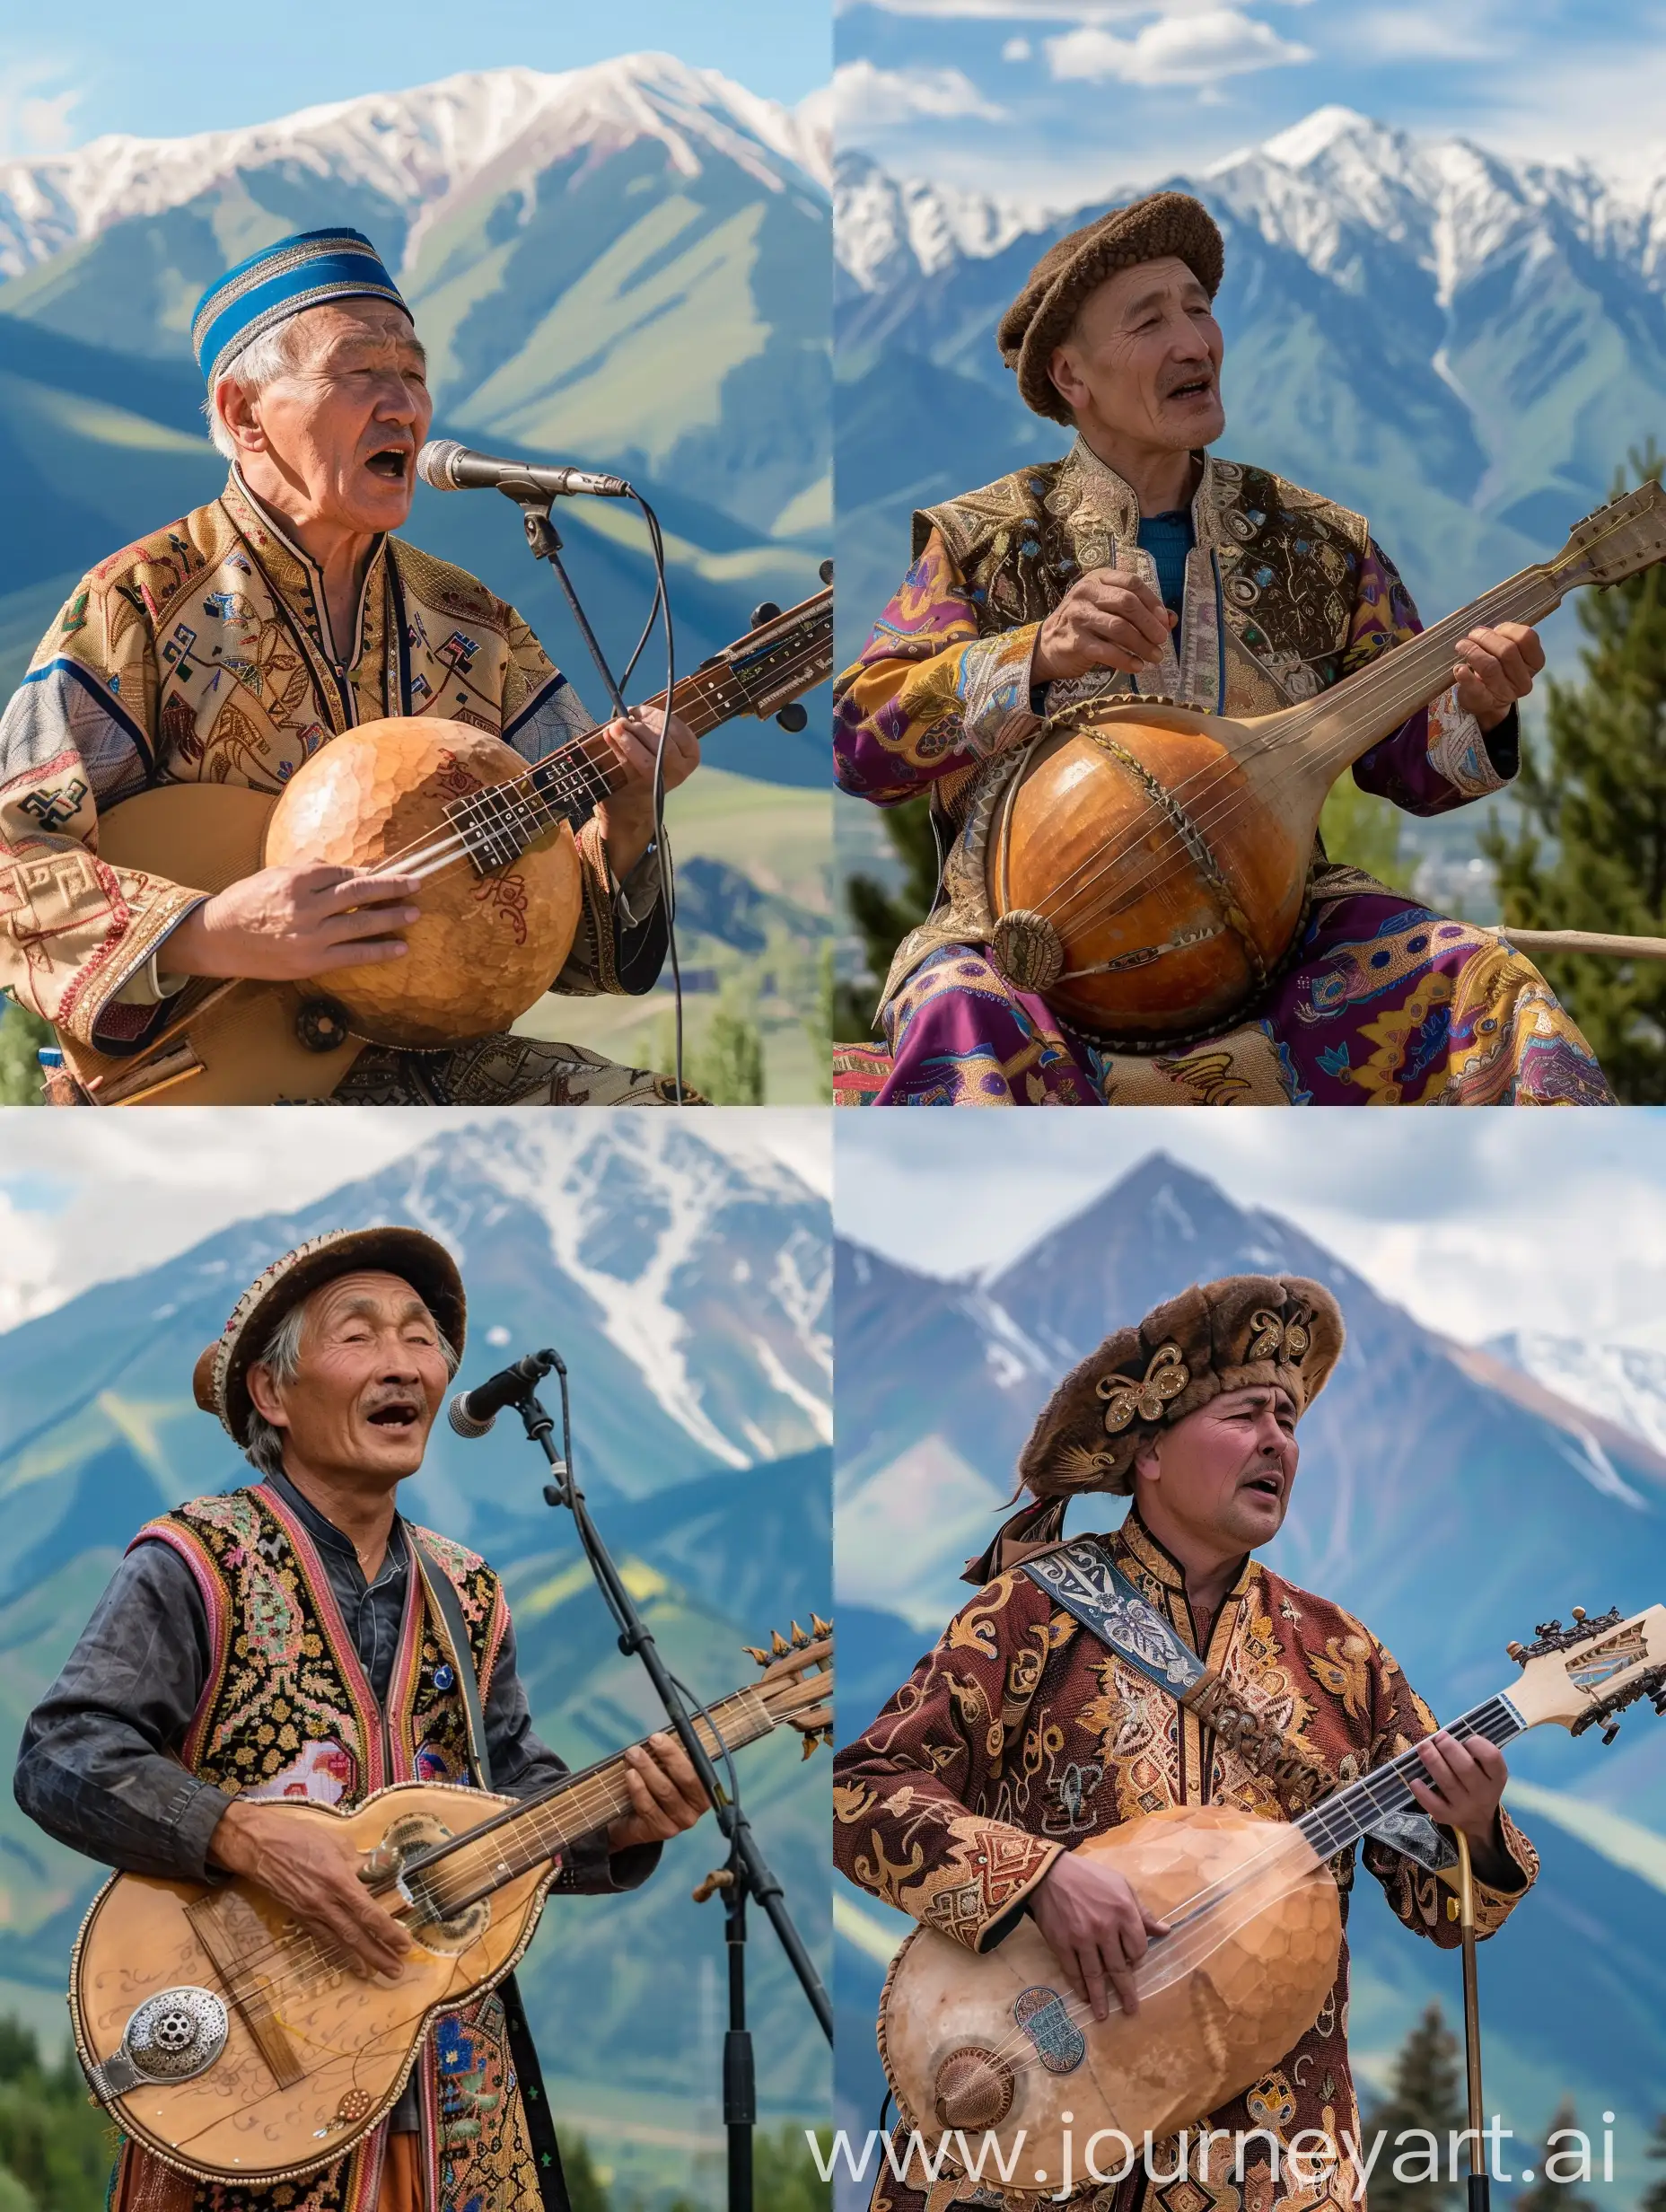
<point x="228" y="647"/>
<point x="1039" y="1720"/>
<point x="1140" y="563"/>
<point x="278" y="1642"/>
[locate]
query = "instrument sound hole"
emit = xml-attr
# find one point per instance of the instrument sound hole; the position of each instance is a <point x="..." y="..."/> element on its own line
<point x="974" y="2089"/>
<point x="321" y="1025"/>
<point x="433" y="1929"/>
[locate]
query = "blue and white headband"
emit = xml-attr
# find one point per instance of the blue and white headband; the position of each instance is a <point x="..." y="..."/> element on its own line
<point x="306" y="270"/>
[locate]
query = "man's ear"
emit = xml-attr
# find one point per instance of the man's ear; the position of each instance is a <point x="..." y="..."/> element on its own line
<point x="263" y="1391"/>
<point x="1066" y="378"/>
<point x="1147" y="1459"/>
<point x="236" y="408"/>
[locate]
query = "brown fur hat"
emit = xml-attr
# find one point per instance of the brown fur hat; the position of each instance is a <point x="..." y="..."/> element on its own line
<point x="1226" y="1336"/>
<point x="1039" y="319"/>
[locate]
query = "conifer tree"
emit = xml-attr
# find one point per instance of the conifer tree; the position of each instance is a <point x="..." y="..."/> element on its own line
<point x="1654" y="2198"/>
<point x="1545" y="2192"/>
<point x="883" y="918"/>
<point x="1590" y="850"/>
<point x="1426" y="2094"/>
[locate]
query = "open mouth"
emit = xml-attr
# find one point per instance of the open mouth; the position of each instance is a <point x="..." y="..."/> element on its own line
<point x="390" y="463"/>
<point x="1268" y="1486"/>
<point x="1199" y="387"/>
<point x="401" y="1413"/>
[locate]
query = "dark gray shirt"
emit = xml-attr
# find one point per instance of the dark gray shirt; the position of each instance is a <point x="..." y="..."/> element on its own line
<point x="98" y="1767"/>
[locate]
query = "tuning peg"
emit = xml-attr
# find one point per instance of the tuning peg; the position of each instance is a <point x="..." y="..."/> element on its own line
<point x="793" y="718"/>
<point x="825" y="571"/>
<point x="800" y="1638"/>
<point x="1611" y="1731"/>
<point x="1518" y="1652"/>
<point x="807" y="1747"/>
<point x="1579" y="1612"/>
<point x="764" y="611"/>
<point x="752" y="1652"/>
<point x="820" y="1627"/>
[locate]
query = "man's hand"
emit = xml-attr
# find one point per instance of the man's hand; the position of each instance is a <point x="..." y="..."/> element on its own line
<point x="666" y="1793"/>
<point x="311" y="1867"/>
<point x="1095" y="1928"/>
<point x="626" y="816"/>
<point x="1465" y="1786"/>
<point x="286" y="923"/>
<point x="1109" y="619"/>
<point x="1496" y="668"/>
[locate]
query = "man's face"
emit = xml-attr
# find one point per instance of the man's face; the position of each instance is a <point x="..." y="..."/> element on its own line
<point x="1144" y="359"/>
<point x="1223" y="1474"/>
<point x="370" y="1379"/>
<point x="342" y="428"/>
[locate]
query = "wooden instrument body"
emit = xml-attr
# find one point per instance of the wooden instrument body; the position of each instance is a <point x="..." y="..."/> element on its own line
<point x="484" y="949"/>
<point x="1258" y="1981"/>
<point x="1167" y="851"/>
<point x="333" y="2050"/>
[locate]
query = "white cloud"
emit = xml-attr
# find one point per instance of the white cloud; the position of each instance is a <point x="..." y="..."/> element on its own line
<point x="37" y="111"/>
<point x="868" y="96"/>
<point x="1175" y="50"/>
<point x="1016" y="50"/>
<point x="1041" y="11"/>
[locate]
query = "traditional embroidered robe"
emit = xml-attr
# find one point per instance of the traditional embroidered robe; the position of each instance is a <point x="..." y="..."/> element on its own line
<point x="1383" y="1003"/>
<point x="202" y="653"/>
<point x="287" y="1712"/>
<point x="1020" y="1733"/>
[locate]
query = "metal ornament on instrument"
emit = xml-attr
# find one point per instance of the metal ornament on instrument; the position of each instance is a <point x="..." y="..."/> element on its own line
<point x="172" y="2037"/>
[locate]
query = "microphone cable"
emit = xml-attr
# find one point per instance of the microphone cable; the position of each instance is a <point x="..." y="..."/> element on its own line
<point x="662" y="609"/>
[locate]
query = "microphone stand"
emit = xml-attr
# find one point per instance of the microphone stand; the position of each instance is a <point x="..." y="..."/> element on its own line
<point x="746" y="1873"/>
<point x="544" y="542"/>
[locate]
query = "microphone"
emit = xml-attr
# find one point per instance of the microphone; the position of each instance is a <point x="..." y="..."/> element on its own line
<point x="472" y="1412"/>
<point x="449" y="467"/>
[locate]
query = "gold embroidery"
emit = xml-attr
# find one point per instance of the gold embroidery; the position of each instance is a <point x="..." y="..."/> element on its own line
<point x="1166" y="1377"/>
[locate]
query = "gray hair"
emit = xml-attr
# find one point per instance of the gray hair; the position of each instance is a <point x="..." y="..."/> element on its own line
<point x="276" y="354"/>
<point x="263" y="1441"/>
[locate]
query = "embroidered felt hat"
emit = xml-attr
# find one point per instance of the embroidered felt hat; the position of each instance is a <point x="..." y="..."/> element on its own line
<point x="220" y="1379"/>
<point x="1240" y="1331"/>
<point x="1244" y="1329"/>
<point x="307" y="270"/>
<point x="1039" y="320"/>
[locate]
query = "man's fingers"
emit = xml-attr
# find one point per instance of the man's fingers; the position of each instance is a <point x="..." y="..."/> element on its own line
<point x="358" y="952"/>
<point x="352" y="887"/>
<point x="1091" y="1970"/>
<point x="1127" y="1996"/>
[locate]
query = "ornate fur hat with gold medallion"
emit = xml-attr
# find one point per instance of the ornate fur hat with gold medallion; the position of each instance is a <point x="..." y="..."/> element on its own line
<point x="1224" y="1335"/>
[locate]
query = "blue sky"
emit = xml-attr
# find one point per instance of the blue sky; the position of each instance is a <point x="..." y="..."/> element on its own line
<point x="68" y="75"/>
<point x="1057" y="102"/>
<point x="1475" y="1222"/>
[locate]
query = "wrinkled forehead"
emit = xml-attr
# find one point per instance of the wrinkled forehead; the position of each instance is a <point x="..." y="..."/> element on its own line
<point x="371" y="1295"/>
<point x="1252" y="1398"/>
<point x="1131" y="292"/>
<point x="343" y="335"/>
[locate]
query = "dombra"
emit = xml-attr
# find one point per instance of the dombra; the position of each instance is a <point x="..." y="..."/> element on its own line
<point x="1147" y="865"/>
<point x="236" y="2047"/>
<point x="995" y="2050"/>
<point x="488" y="832"/>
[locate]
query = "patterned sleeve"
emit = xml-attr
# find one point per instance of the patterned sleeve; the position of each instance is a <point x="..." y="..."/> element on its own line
<point x="77" y="937"/>
<point x="1422" y="1899"/>
<point x="1440" y="758"/>
<point x="916" y="1797"/>
<point x="621" y="939"/>
<point x="929" y="694"/>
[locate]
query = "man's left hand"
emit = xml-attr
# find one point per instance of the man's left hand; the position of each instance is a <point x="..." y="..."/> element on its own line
<point x="1496" y="668"/>
<point x="626" y="815"/>
<point x="1465" y="1786"/>
<point x="666" y="1795"/>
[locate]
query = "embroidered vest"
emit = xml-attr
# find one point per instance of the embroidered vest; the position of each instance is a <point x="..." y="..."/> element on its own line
<point x="287" y="1712"/>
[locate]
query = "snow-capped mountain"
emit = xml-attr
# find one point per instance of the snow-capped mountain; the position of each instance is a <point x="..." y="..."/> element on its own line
<point x="1464" y="346"/>
<point x="1623" y="1383"/>
<point x="429" y="151"/>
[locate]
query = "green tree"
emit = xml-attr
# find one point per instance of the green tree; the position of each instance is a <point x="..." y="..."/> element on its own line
<point x="21" y="1035"/>
<point x="1426" y="2093"/>
<point x="1590" y="852"/>
<point x="729" y="1066"/>
<point x="585" y="2188"/>
<point x="1365" y="831"/>
<point x="883" y="918"/>
<point x="57" y="2147"/>
<point x="1556" y="2191"/>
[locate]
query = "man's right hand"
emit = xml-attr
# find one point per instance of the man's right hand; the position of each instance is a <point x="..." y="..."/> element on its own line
<point x="1109" y="619"/>
<point x="1095" y="1928"/>
<point x="311" y="1867"/>
<point x="286" y="923"/>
